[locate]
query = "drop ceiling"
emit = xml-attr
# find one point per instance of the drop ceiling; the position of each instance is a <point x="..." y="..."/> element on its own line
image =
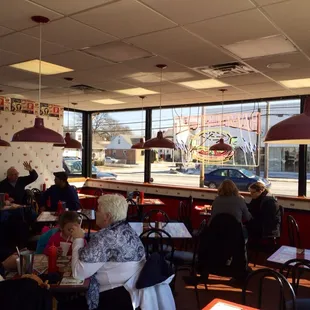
<point x="113" y="45"/>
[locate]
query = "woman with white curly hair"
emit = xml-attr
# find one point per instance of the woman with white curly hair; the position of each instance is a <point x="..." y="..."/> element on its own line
<point x="113" y="255"/>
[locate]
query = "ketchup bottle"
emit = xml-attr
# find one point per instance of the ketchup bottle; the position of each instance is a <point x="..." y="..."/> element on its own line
<point x="43" y="187"/>
<point x="59" y="208"/>
<point x="141" y="197"/>
<point x="6" y="196"/>
<point x="52" y="259"/>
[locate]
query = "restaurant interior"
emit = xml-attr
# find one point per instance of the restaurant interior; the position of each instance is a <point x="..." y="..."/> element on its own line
<point x="63" y="58"/>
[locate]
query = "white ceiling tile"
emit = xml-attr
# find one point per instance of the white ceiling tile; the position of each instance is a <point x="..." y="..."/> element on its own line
<point x="245" y="79"/>
<point x="118" y="52"/>
<point x="233" y="28"/>
<point x="71" y="33"/>
<point x="76" y="60"/>
<point x="8" y="74"/>
<point x="168" y="88"/>
<point x="295" y="60"/>
<point x="217" y="92"/>
<point x="16" y="14"/>
<point x="10" y="90"/>
<point x="289" y="74"/>
<point x="267" y="2"/>
<point x="8" y="58"/>
<point x="124" y="19"/>
<point x="179" y="45"/>
<point x="189" y="11"/>
<point x="4" y="31"/>
<point x="29" y="46"/>
<point x="68" y="7"/>
<point x="184" y="95"/>
<point x="259" y="87"/>
<point x="273" y="94"/>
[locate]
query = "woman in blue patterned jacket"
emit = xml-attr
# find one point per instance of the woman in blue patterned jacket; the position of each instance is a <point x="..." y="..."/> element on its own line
<point x="113" y="255"/>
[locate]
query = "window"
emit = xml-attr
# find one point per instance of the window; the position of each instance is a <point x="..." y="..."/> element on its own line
<point x="235" y="174"/>
<point x="220" y="173"/>
<point x="113" y="136"/>
<point x="72" y="158"/>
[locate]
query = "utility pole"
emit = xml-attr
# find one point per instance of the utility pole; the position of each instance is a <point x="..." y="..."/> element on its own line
<point x="202" y="143"/>
<point x="266" y="157"/>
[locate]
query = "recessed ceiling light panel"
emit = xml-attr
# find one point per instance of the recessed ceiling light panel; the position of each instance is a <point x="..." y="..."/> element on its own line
<point x="108" y="101"/>
<point x="139" y="91"/>
<point x="267" y="46"/>
<point x="297" y="83"/>
<point x="279" y="65"/>
<point x="47" y="68"/>
<point x="204" y="84"/>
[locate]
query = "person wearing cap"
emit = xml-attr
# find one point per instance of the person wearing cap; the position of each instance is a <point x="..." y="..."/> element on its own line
<point x="14" y="185"/>
<point x="61" y="191"/>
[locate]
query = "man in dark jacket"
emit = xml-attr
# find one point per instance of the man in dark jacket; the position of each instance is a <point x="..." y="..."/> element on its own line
<point x="265" y="211"/>
<point x="61" y="191"/>
<point x="14" y="185"/>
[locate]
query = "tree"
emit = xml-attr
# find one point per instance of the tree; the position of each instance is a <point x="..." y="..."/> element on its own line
<point x="104" y="126"/>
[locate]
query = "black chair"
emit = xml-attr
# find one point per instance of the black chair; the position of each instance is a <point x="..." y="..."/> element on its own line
<point x="74" y="187"/>
<point x="98" y="192"/>
<point x="151" y="216"/>
<point x="157" y="240"/>
<point x="267" y="244"/>
<point x="296" y="267"/>
<point x="132" y="213"/>
<point x="185" y="213"/>
<point x="284" y="285"/>
<point x="84" y="216"/>
<point x="293" y="232"/>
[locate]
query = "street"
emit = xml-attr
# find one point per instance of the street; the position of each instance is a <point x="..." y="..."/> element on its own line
<point x="161" y="175"/>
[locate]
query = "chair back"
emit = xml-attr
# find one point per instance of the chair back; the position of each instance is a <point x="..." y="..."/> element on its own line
<point x="284" y="286"/>
<point x="132" y="212"/>
<point x="296" y="267"/>
<point x="98" y="192"/>
<point x="154" y="214"/>
<point x="293" y="232"/>
<point x="185" y="213"/>
<point x="157" y="240"/>
<point x="228" y="256"/>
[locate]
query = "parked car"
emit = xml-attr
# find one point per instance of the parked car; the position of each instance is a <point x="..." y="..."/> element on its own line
<point x="74" y="166"/>
<point x="111" y="160"/>
<point x="241" y="177"/>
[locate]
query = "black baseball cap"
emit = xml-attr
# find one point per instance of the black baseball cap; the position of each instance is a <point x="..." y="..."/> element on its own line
<point x="61" y="175"/>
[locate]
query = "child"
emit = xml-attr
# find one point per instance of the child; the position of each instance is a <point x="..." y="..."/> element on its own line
<point x="66" y="221"/>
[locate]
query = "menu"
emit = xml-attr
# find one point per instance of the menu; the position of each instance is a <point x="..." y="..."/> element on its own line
<point x="71" y="281"/>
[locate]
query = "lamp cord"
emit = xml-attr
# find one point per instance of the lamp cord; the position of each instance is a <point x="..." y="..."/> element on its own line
<point x="40" y="60"/>
<point x="160" y="89"/>
<point x="222" y="113"/>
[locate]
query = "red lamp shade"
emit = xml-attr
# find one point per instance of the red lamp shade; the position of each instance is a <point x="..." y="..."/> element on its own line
<point x="4" y="143"/>
<point x="70" y="143"/>
<point x="294" y="130"/>
<point x="38" y="133"/>
<point x="221" y="146"/>
<point x="159" y="142"/>
<point x="139" y="145"/>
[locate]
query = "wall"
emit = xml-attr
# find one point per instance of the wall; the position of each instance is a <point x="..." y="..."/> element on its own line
<point x="45" y="158"/>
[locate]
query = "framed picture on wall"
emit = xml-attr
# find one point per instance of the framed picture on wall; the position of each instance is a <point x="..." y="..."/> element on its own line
<point x="44" y="109"/>
<point x="28" y="106"/>
<point x="16" y="105"/>
<point x="54" y="110"/>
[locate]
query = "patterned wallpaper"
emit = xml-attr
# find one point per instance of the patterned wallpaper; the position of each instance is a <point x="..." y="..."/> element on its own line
<point x="45" y="158"/>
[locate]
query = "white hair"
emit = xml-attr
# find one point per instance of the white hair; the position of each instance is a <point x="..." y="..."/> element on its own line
<point x="115" y="204"/>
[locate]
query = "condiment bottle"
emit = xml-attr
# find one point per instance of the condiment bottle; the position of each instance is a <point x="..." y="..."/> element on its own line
<point x="141" y="197"/>
<point x="60" y="209"/>
<point x="52" y="259"/>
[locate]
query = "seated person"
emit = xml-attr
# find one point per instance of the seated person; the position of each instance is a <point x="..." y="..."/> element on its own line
<point x="229" y="201"/>
<point x="14" y="185"/>
<point x="61" y="191"/>
<point x="113" y="255"/>
<point x="265" y="211"/>
<point x="67" y="221"/>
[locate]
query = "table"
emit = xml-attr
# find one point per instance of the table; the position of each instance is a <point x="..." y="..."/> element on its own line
<point x="147" y="202"/>
<point x="175" y="230"/>
<point x="221" y="304"/>
<point x="67" y="283"/>
<point x="50" y="217"/>
<point x="14" y="209"/>
<point x="285" y="253"/>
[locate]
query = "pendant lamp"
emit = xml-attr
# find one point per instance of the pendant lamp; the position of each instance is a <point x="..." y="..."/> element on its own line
<point x="4" y="143"/>
<point x="38" y="133"/>
<point x="294" y="130"/>
<point x="160" y="142"/>
<point x="70" y="143"/>
<point x="221" y="145"/>
<point x="140" y="144"/>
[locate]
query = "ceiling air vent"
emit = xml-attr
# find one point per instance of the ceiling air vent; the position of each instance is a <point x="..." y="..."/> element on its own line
<point x="86" y="88"/>
<point x="225" y="70"/>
